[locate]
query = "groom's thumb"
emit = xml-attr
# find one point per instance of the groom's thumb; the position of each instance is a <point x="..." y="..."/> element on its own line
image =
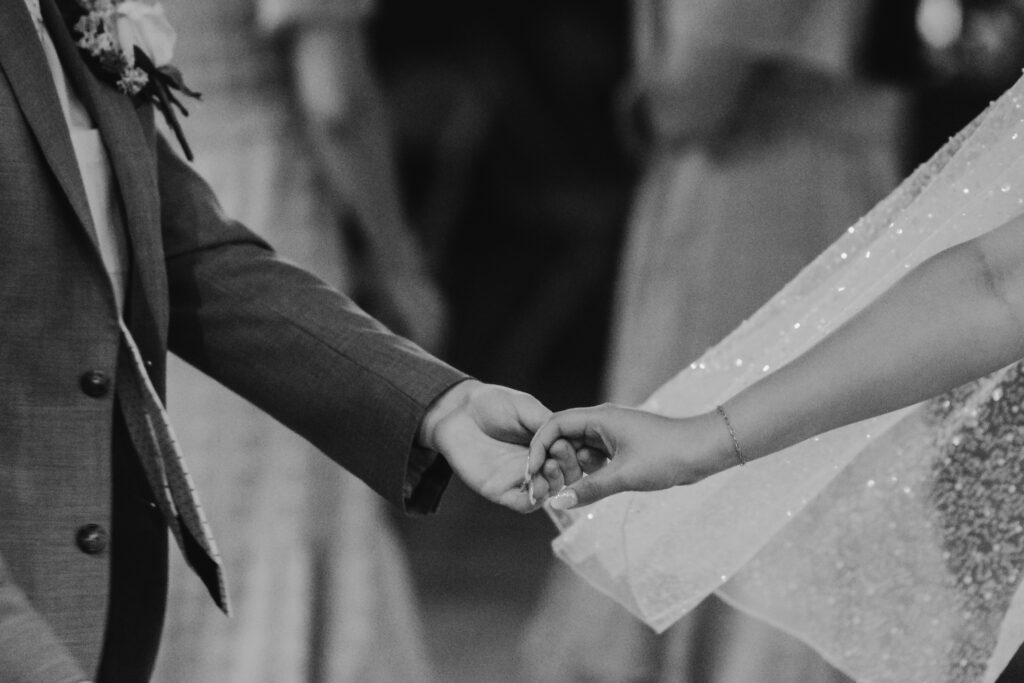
<point x="587" y="490"/>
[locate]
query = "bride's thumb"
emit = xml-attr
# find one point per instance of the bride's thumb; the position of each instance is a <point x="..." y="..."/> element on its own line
<point x="587" y="490"/>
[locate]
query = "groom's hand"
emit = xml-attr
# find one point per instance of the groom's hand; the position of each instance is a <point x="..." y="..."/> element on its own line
<point x="484" y="432"/>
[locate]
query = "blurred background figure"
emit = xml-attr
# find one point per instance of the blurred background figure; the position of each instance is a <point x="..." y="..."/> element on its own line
<point x="347" y="126"/>
<point x="765" y="138"/>
<point x="319" y="583"/>
<point x="964" y="54"/>
<point x="513" y="169"/>
<point x="506" y="130"/>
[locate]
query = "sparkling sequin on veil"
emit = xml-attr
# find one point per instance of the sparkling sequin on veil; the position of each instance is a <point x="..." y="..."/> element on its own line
<point x="895" y="546"/>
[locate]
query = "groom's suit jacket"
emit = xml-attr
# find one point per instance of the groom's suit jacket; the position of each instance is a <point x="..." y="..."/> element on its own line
<point x="201" y="285"/>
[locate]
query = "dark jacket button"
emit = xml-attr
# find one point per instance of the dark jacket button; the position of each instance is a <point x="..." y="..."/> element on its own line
<point x="91" y="539"/>
<point x="94" y="383"/>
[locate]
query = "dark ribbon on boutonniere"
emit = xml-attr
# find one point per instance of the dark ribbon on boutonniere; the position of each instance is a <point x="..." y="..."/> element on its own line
<point x="161" y="82"/>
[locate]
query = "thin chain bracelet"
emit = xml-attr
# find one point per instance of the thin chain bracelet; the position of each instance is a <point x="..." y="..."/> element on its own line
<point x="732" y="435"/>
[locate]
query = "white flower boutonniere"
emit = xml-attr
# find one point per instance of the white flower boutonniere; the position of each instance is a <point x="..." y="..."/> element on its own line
<point x="145" y="26"/>
<point x="130" y="43"/>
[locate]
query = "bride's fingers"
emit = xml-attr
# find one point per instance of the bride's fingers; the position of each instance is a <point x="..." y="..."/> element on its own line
<point x="576" y="424"/>
<point x="535" y="457"/>
<point x="589" y="489"/>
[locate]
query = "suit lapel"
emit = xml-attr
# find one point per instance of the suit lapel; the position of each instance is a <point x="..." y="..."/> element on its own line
<point x="131" y="157"/>
<point x="24" y="63"/>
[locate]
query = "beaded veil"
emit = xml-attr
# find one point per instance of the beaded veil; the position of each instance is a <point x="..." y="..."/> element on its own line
<point x="895" y="546"/>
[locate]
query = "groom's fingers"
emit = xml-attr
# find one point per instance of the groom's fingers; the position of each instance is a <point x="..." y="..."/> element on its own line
<point x="518" y="499"/>
<point x="565" y="458"/>
<point x="541" y="488"/>
<point x="590" y="459"/>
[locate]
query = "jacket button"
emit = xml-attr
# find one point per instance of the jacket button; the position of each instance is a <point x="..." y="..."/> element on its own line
<point x="94" y="384"/>
<point x="91" y="539"/>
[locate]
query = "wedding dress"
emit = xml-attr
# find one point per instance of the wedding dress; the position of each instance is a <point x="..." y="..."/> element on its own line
<point x="895" y="546"/>
<point x="767" y="143"/>
<point x="318" y="583"/>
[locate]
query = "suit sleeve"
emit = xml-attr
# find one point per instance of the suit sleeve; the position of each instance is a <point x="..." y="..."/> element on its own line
<point x="30" y="652"/>
<point x="294" y="346"/>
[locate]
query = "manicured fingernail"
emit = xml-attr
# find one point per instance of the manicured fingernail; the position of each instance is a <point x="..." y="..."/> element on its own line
<point x="565" y="500"/>
<point x="533" y="497"/>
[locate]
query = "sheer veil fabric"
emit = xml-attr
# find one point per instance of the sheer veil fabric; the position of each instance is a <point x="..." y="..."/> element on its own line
<point x="895" y="546"/>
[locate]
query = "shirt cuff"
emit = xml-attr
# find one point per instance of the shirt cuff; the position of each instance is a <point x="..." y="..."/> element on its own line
<point x="426" y="477"/>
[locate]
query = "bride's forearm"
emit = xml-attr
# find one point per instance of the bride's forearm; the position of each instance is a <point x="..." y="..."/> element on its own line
<point x="954" y="318"/>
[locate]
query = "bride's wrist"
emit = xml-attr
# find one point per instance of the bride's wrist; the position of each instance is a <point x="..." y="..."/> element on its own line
<point x="722" y="446"/>
<point x="706" y="448"/>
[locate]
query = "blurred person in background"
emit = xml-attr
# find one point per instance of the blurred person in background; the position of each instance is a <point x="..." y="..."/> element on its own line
<point x="513" y="171"/>
<point x="348" y="128"/>
<point x="965" y="54"/>
<point x="766" y="138"/>
<point x="319" y="580"/>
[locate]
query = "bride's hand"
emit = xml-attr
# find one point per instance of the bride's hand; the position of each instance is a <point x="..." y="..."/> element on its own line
<point x="625" y="449"/>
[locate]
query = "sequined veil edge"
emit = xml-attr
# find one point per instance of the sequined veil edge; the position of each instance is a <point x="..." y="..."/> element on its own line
<point x="801" y="537"/>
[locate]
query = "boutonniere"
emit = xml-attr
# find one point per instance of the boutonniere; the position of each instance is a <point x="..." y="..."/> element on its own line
<point x="129" y="43"/>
